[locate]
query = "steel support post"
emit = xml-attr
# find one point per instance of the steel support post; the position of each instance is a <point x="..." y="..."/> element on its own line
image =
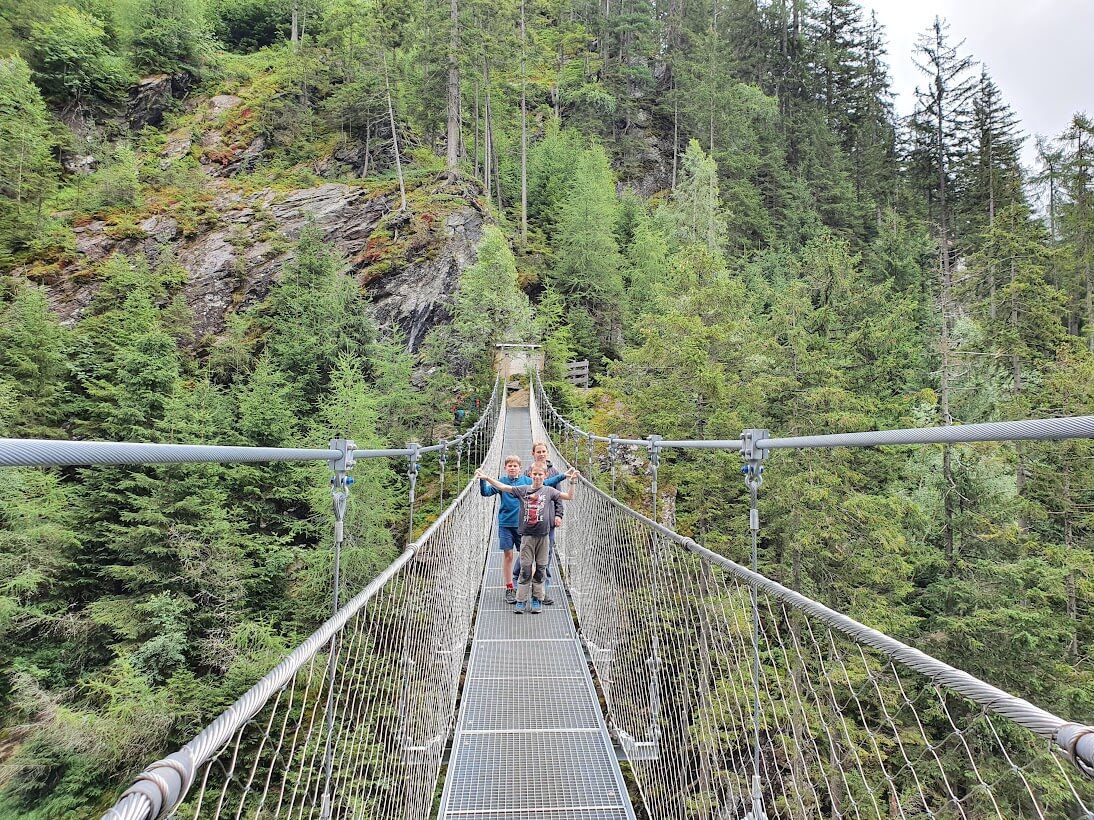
<point x="412" y="473"/>
<point x="613" y="452"/>
<point x="340" y="484"/>
<point x="443" y="459"/>
<point x="753" y="472"/>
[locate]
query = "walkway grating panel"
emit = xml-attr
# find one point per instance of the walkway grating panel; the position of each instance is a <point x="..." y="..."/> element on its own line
<point x="562" y="705"/>
<point x="592" y="813"/>
<point x="516" y="658"/>
<point x="524" y="772"/>
<point x="530" y="743"/>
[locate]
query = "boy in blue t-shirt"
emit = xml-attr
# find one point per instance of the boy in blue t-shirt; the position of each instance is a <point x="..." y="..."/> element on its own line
<point x="509" y="518"/>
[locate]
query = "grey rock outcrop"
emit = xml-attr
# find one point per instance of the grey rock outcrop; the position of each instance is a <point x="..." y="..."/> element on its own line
<point x="152" y="96"/>
<point x="420" y="295"/>
<point x="410" y="269"/>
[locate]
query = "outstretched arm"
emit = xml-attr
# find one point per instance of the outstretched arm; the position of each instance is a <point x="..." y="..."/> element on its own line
<point x="572" y="473"/>
<point x="493" y="482"/>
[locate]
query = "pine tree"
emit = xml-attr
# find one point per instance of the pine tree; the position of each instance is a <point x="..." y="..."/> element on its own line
<point x="990" y="175"/>
<point x="1077" y="220"/>
<point x="33" y="359"/>
<point x="694" y="214"/>
<point x="489" y="304"/>
<point x="551" y="163"/>
<point x="588" y="264"/>
<point x="941" y="123"/>
<point x="164" y="35"/>
<point x="351" y="409"/>
<point x="313" y="315"/>
<point x="72" y="60"/>
<point x="27" y="168"/>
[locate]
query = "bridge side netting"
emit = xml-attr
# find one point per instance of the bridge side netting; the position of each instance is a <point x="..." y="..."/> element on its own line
<point x="362" y="736"/>
<point x="848" y="728"/>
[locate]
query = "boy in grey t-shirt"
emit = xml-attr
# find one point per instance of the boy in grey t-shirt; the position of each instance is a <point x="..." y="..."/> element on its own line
<point x="537" y="512"/>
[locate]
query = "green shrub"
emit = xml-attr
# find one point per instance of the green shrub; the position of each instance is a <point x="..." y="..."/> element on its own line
<point x="71" y="59"/>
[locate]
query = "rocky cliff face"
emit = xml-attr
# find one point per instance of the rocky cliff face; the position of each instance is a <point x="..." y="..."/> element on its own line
<point x="409" y="264"/>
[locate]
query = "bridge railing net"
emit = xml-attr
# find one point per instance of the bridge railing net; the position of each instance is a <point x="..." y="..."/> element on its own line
<point x="361" y="737"/>
<point x="846" y="730"/>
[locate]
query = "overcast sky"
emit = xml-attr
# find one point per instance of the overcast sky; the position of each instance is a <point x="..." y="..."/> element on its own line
<point x="1039" y="52"/>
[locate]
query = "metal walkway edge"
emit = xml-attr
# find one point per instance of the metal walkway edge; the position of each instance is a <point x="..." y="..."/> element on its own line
<point x="530" y="741"/>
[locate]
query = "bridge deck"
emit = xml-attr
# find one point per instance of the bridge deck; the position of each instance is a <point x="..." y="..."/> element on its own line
<point x="530" y="741"/>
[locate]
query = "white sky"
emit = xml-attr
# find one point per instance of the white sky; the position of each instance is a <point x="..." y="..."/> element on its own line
<point x="1039" y="52"/>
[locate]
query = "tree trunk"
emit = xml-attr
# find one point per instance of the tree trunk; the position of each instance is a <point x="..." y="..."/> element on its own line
<point x="368" y="139"/>
<point x="394" y="137"/>
<point x="523" y="130"/>
<point x="476" y="116"/>
<point x="486" y="131"/>
<point x="1089" y="304"/>
<point x="452" y="154"/>
<point x="948" y="487"/>
<point x="1069" y="543"/>
<point x="1016" y="374"/>
<point x="294" y="35"/>
<point x="675" y="132"/>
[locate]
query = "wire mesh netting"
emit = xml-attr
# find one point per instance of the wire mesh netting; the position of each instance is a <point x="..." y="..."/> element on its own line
<point x="845" y="730"/>
<point x="353" y="724"/>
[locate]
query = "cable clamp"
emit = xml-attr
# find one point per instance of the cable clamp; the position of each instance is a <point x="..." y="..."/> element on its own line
<point x="753" y="456"/>
<point x="414" y="457"/>
<point x="654" y="449"/>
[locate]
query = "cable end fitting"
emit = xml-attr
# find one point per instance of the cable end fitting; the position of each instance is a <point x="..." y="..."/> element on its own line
<point x="753" y="456"/>
<point x="654" y="449"/>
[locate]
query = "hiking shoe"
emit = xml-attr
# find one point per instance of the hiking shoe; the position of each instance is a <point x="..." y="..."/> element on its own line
<point x="536" y="607"/>
<point x="510" y="595"/>
<point x="519" y="608"/>
<point x="548" y="600"/>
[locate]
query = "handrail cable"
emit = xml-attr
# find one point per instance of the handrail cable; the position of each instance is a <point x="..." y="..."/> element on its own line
<point x="1058" y="429"/>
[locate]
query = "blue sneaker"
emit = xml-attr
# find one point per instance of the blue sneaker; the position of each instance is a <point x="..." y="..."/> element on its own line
<point x="518" y="608"/>
<point x="537" y="607"/>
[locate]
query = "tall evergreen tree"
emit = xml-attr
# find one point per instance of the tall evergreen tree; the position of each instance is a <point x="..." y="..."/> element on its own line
<point x="33" y="360"/>
<point x="27" y="168"/>
<point x="1077" y="220"/>
<point x="941" y="121"/>
<point x="588" y="264"/>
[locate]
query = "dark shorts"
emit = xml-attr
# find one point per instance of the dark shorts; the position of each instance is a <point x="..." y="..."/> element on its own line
<point x="508" y="538"/>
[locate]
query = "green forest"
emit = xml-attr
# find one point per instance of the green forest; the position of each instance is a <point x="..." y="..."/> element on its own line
<point x="271" y="222"/>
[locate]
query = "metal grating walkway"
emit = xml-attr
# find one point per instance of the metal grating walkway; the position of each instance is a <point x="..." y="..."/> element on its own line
<point x="530" y="741"/>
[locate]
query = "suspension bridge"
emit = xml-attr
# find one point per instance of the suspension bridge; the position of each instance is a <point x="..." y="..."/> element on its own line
<point x="666" y="682"/>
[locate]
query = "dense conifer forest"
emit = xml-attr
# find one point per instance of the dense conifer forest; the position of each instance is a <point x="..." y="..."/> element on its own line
<point x="713" y="202"/>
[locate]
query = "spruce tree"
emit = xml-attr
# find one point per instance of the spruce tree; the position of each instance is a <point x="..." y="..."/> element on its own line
<point x="33" y="360"/>
<point x="588" y="264"/>
<point x="1077" y="221"/>
<point x="311" y="317"/>
<point x="27" y="168"/>
<point x="941" y="123"/>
